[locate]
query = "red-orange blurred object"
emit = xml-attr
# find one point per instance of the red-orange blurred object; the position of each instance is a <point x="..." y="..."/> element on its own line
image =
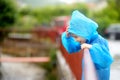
<point x="74" y="60"/>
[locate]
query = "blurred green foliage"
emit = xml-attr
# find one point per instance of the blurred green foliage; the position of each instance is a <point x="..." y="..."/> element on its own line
<point x="46" y="14"/>
<point x="25" y="20"/>
<point x="7" y="15"/>
<point x="107" y="16"/>
<point x="28" y="18"/>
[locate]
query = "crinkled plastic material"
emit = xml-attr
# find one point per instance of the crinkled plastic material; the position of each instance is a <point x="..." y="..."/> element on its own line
<point x="84" y="27"/>
<point x="100" y="53"/>
<point x="70" y="44"/>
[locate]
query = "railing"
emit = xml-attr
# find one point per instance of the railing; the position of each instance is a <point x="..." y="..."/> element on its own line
<point x="89" y="68"/>
<point x="25" y="59"/>
<point x="75" y="63"/>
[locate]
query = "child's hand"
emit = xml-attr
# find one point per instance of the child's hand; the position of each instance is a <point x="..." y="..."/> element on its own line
<point x="85" y="45"/>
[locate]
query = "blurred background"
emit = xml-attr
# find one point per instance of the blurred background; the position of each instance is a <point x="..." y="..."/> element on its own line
<point x="30" y="30"/>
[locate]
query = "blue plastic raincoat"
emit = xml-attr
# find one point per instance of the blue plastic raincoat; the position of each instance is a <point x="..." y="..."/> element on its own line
<point x="84" y="27"/>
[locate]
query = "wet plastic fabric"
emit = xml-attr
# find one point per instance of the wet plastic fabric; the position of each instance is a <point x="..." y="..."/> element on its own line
<point x="86" y="28"/>
<point x="70" y="44"/>
<point x="82" y="26"/>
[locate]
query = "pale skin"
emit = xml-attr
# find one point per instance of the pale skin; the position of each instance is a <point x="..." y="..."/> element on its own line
<point x="79" y="39"/>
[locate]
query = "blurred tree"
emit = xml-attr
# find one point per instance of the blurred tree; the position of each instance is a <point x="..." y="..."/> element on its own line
<point x="28" y="17"/>
<point x="7" y="15"/>
<point x="25" y="19"/>
<point x="114" y="3"/>
<point x="108" y="15"/>
<point x="25" y="11"/>
<point x="118" y="7"/>
<point x="46" y="14"/>
<point x="117" y="3"/>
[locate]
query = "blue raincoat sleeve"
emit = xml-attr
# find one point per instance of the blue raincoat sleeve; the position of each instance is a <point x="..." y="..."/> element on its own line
<point x="100" y="53"/>
<point x="70" y="44"/>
